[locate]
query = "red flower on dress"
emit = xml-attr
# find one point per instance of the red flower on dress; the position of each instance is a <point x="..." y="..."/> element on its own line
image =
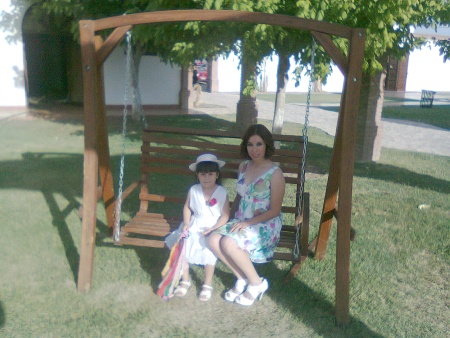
<point x="212" y="202"/>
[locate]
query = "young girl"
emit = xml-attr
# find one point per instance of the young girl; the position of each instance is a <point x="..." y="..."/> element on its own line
<point x="206" y="209"/>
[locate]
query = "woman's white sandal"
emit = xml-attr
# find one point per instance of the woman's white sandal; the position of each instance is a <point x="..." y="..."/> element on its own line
<point x="182" y="289"/>
<point x="238" y="289"/>
<point x="206" y="293"/>
<point x="256" y="291"/>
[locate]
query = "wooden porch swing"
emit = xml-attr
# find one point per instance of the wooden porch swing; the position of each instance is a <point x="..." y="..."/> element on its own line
<point x="97" y="158"/>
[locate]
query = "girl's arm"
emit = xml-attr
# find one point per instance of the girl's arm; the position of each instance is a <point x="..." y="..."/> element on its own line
<point x="187" y="213"/>
<point x="224" y="217"/>
<point x="277" y="188"/>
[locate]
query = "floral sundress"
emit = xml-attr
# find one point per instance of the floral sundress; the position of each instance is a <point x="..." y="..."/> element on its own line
<point x="259" y="240"/>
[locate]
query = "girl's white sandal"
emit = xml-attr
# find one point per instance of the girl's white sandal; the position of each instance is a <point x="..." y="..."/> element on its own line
<point x="182" y="288"/>
<point x="206" y="293"/>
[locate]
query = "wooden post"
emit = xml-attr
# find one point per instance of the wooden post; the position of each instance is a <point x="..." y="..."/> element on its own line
<point x="331" y="192"/>
<point x="353" y="85"/>
<point x="90" y="181"/>
<point x="103" y="145"/>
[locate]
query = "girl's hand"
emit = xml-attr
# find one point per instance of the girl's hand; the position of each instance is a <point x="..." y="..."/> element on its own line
<point x="239" y="226"/>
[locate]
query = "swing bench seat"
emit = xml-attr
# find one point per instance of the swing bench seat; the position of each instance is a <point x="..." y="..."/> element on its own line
<point x="165" y="179"/>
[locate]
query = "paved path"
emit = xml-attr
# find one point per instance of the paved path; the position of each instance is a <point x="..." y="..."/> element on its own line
<point x="397" y="134"/>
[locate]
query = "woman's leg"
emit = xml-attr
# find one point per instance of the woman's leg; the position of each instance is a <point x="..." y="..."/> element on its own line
<point x="239" y="259"/>
<point x="214" y="243"/>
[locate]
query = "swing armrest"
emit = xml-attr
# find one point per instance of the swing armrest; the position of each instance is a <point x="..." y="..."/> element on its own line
<point x="127" y="192"/>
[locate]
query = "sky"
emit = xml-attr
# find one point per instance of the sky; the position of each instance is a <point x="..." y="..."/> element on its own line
<point x="426" y="70"/>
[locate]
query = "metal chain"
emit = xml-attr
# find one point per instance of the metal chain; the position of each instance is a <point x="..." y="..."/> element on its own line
<point x="137" y="97"/>
<point x="124" y="131"/>
<point x="305" y="145"/>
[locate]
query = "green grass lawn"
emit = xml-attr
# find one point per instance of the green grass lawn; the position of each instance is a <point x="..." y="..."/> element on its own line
<point x="438" y="115"/>
<point x="399" y="262"/>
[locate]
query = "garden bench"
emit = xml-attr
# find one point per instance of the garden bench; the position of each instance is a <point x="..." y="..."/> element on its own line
<point x="426" y="100"/>
<point x="166" y="155"/>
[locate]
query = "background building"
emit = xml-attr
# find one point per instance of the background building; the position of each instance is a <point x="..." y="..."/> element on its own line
<point x="40" y="61"/>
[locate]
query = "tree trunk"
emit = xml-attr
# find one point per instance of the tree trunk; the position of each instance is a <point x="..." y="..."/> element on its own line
<point x="370" y="129"/>
<point x="280" y="99"/>
<point x="247" y="109"/>
<point x="317" y="86"/>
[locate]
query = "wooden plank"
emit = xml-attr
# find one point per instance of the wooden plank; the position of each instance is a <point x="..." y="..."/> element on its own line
<point x="141" y="242"/>
<point x="283" y="256"/>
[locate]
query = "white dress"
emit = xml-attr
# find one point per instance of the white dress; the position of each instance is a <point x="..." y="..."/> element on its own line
<point x="205" y="215"/>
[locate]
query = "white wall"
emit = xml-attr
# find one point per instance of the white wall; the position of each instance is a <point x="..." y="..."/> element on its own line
<point x="12" y="80"/>
<point x="159" y="83"/>
<point x="229" y="77"/>
<point x="427" y="70"/>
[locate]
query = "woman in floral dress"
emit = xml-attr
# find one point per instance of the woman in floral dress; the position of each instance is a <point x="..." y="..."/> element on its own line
<point x="253" y="234"/>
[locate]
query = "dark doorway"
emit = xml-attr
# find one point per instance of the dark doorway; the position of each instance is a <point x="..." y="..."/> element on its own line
<point x="46" y="42"/>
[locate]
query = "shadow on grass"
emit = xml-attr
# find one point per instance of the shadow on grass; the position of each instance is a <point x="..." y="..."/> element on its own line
<point x="2" y="315"/>
<point x="390" y="173"/>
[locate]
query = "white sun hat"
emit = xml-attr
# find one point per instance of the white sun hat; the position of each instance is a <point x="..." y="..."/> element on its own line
<point x="206" y="158"/>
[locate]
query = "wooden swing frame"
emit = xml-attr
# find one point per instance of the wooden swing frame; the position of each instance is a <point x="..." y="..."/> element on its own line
<point x="97" y="166"/>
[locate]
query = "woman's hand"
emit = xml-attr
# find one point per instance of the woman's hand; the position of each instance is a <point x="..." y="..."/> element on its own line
<point x="239" y="226"/>
<point x="207" y="231"/>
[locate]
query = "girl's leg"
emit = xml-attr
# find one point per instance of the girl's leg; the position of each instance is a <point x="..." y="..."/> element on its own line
<point x="185" y="276"/>
<point x="209" y="273"/>
<point x="215" y="245"/>
<point x="185" y="283"/>
<point x="207" y="287"/>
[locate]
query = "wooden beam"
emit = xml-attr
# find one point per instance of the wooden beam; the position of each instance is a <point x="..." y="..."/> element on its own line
<point x="111" y="42"/>
<point x="106" y="178"/>
<point x="90" y="181"/>
<point x="336" y="55"/>
<point x="287" y="21"/>
<point x="331" y="192"/>
<point x="353" y="86"/>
